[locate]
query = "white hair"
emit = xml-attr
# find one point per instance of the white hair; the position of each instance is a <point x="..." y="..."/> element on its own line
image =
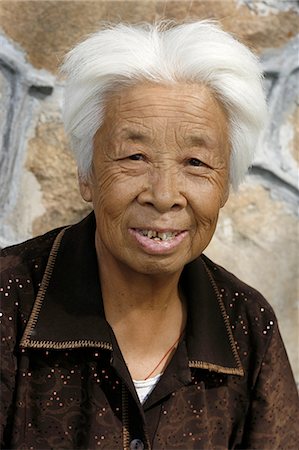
<point x="199" y="52"/>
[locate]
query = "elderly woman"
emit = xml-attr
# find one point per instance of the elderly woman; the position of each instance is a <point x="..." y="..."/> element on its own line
<point x="118" y="332"/>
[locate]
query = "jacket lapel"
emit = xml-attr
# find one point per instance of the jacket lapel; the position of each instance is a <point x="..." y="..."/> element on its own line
<point x="68" y="311"/>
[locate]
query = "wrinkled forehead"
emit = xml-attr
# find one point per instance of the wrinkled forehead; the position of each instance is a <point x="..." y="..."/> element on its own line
<point x="144" y="107"/>
<point x="148" y="98"/>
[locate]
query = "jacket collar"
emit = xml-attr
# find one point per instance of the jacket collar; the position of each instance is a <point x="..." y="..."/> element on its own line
<point x="68" y="311"/>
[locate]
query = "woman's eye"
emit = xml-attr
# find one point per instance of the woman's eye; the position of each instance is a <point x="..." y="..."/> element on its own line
<point x="195" y="162"/>
<point x="136" y="157"/>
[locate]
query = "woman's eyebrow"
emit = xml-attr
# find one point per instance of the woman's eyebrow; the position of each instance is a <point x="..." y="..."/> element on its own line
<point x="134" y="135"/>
<point x="200" y="140"/>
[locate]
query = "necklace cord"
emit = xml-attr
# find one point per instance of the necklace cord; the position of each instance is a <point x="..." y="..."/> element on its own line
<point x="165" y="355"/>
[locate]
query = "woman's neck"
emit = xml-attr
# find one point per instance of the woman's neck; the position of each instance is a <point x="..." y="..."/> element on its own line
<point x="146" y="312"/>
<point x="129" y="293"/>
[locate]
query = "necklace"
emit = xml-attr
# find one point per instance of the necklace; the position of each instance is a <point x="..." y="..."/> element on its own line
<point x="165" y="355"/>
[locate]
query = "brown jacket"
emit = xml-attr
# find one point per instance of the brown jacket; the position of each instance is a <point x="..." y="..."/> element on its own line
<point x="65" y="384"/>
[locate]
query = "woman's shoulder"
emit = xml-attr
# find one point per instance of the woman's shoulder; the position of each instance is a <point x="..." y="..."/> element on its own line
<point x="251" y="316"/>
<point x="21" y="270"/>
<point x="26" y="253"/>
<point x="232" y="289"/>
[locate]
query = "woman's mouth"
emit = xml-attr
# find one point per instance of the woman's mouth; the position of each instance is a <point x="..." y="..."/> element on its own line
<point x="158" y="241"/>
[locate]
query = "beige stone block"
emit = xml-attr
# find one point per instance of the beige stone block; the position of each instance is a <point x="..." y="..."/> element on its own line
<point x="53" y="166"/>
<point x="192" y="10"/>
<point x="47" y="29"/>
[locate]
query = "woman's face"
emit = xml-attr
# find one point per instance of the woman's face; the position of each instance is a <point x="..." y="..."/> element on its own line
<point x="159" y="176"/>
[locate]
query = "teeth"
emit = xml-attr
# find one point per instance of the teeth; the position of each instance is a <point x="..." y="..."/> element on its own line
<point x="163" y="236"/>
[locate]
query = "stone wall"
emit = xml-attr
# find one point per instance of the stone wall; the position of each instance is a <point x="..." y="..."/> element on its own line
<point x="257" y="234"/>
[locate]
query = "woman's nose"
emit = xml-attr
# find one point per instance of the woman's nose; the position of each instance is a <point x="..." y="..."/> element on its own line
<point x="163" y="191"/>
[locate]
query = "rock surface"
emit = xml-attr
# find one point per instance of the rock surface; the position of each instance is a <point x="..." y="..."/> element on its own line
<point x="58" y="25"/>
<point x="257" y="233"/>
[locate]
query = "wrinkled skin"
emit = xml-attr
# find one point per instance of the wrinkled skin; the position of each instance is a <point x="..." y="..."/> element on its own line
<point x="160" y="162"/>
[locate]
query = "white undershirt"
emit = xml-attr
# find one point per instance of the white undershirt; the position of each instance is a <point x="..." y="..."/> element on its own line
<point x="145" y="387"/>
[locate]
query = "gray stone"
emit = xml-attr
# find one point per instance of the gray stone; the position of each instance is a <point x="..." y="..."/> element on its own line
<point x="265" y="7"/>
<point x="275" y="162"/>
<point x="21" y="89"/>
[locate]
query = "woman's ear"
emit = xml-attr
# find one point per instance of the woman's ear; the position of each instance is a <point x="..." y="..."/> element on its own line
<point x="85" y="189"/>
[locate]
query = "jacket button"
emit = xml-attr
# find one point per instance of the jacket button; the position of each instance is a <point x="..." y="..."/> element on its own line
<point x="136" y="444"/>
